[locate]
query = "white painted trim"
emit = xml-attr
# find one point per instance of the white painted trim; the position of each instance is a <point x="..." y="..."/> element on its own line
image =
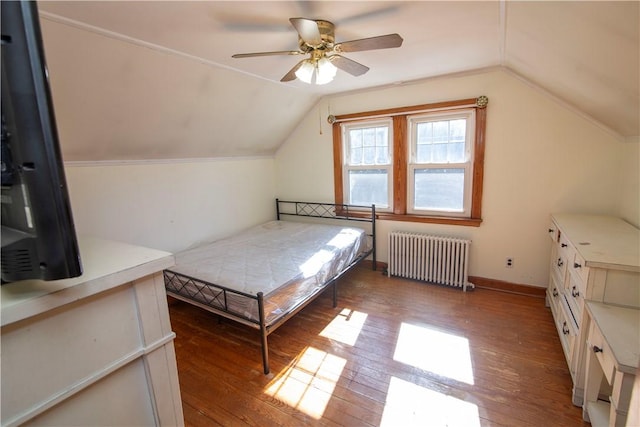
<point x="469" y="115"/>
<point x="502" y="31"/>
<point x="346" y="168"/>
<point x="93" y="163"/>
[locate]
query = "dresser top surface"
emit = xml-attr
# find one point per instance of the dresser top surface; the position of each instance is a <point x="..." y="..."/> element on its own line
<point x="106" y="264"/>
<point x="620" y="328"/>
<point x="603" y="241"/>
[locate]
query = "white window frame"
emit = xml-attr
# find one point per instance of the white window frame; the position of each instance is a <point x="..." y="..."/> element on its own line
<point x="346" y="167"/>
<point x="467" y="164"/>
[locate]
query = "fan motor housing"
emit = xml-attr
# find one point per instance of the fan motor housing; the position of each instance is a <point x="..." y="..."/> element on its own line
<point x="327" y="34"/>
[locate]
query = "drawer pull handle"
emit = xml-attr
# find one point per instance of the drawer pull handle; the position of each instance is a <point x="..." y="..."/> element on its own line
<point x="564" y="245"/>
<point x="555" y="292"/>
<point x="597" y="349"/>
<point x="576" y="265"/>
<point x="574" y="292"/>
<point x="560" y="262"/>
<point x="565" y="329"/>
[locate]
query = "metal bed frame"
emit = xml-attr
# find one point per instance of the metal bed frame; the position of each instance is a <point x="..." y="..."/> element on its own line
<point x="218" y="302"/>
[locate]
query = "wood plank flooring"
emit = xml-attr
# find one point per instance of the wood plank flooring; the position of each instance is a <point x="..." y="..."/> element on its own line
<point x="394" y="352"/>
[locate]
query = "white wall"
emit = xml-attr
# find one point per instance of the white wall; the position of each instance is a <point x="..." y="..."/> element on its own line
<point x="630" y="183"/>
<point x="171" y="206"/>
<point x="541" y="157"/>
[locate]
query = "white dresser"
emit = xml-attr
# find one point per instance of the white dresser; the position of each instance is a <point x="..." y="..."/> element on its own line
<point x="93" y="350"/>
<point x="595" y="258"/>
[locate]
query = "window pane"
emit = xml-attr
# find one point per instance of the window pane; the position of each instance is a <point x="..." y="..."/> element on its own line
<point x="439" y="189"/>
<point x="368" y="146"/>
<point x="355" y="147"/>
<point x="369" y="187"/>
<point x="441" y="141"/>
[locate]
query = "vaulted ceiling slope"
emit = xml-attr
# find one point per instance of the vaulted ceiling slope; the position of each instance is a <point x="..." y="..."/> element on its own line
<point x="155" y="79"/>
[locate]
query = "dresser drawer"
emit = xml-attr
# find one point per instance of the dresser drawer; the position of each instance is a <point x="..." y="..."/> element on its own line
<point x="578" y="268"/>
<point x="567" y="331"/>
<point x="553" y="297"/>
<point x="559" y="264"/>
<point x="601" y="349"/>
<point x="555" y="291"/>
<point x="564" y="244"/>
<point x="574" y="293"/>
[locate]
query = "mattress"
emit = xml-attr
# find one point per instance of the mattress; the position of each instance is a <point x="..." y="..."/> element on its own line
<point x="286" y="261"/>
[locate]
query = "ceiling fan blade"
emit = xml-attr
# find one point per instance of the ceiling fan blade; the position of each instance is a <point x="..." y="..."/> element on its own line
<point x="308" y="30"/>
<point x="371" y="43"/>
<point x="350" y="66"/>
<point x="280" y="52"/>
<point x="291" y="75"/>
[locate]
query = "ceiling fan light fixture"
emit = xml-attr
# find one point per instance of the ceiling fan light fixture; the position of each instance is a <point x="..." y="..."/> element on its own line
<point x="305" y="72"/>
<point x="316" y="38"/>
<point x="325" y="71"/>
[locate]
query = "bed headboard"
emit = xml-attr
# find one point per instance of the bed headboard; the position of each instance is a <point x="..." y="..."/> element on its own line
<point x="335" y="211"/>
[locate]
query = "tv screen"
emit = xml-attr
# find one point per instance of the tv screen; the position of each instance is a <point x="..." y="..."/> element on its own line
<point x="38" y="235"/>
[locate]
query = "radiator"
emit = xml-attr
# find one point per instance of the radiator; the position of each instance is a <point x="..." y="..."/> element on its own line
<point x="433" y="259"/>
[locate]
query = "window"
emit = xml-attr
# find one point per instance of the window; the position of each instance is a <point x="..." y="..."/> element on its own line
<point x="367" y="165"/>
<point x="422" y="163"/>
<point x="440" y="163"/>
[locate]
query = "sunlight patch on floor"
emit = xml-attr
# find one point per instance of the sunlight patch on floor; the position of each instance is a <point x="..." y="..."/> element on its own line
<point x="308" y="383"/>
<point x="345" y="327"/>
<point x="435" y="351"/>
<point x="409" y="404"/>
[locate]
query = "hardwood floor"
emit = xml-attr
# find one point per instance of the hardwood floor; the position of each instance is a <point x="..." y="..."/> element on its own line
<point x="394" y="352"/>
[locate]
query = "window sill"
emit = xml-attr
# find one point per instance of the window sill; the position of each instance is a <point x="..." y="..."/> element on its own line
<point x="469" y="222"/>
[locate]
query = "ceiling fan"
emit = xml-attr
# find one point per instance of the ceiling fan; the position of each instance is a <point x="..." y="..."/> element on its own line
<point x="317" y="39"/>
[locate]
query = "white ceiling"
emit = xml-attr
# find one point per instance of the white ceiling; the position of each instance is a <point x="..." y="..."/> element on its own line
<point x="584" y="53"/>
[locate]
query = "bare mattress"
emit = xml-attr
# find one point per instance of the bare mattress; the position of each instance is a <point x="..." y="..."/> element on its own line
<point x="286" y="261"/>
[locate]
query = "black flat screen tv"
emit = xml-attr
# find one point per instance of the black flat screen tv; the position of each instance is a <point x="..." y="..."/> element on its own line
<point x="38" y="235"/>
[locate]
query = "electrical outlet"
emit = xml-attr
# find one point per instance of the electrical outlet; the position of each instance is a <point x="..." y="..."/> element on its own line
<point x="509" y="263"/>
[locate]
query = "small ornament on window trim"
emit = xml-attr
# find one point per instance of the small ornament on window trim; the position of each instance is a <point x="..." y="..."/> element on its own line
<point x="331" y="119"/>
<point x="482" y="101"/>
